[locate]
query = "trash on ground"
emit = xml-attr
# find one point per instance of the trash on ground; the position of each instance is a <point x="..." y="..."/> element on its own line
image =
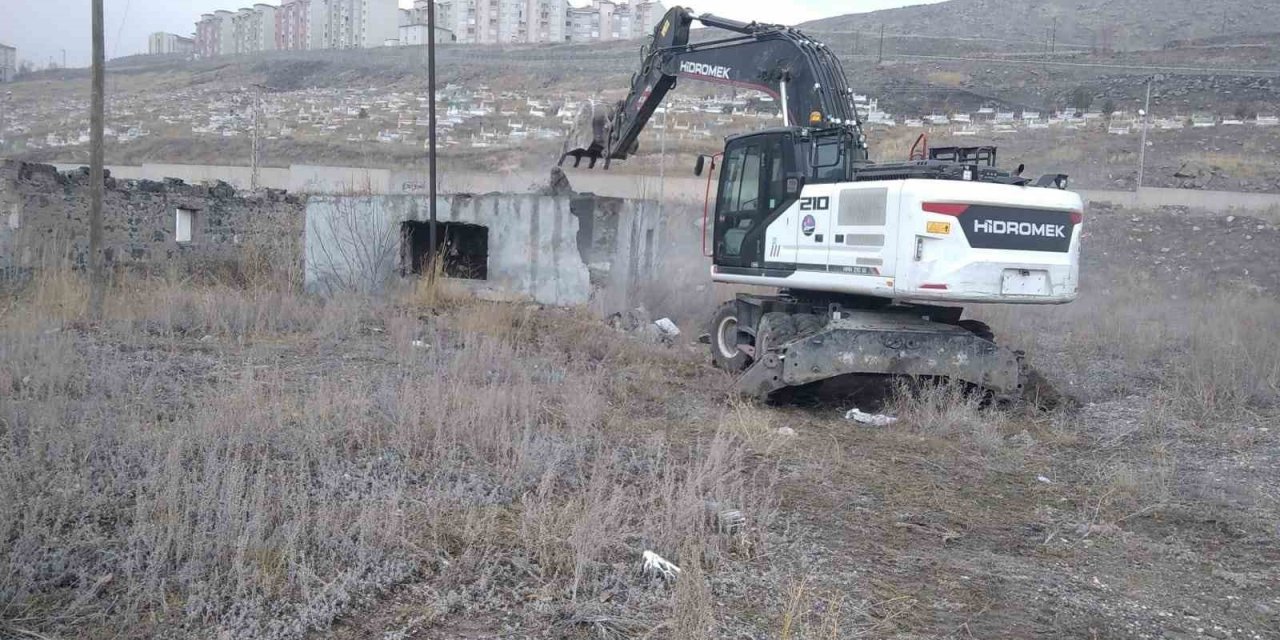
<point x="421" y="345"/>
<point x="785" y="431"/>
<point x="873" y="419"/>
<point x="632" y="320"/>
<point x="731" y="521"/>
<point x="667" y="327"/>
<point x="725" y="518"/>
<point x="655" y="564"/>
<point x="1044" y="480"/>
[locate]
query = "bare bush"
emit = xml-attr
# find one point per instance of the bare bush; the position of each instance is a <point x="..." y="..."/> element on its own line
<point x="354" y="247"/>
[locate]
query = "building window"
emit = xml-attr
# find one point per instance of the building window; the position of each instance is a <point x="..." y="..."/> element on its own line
<point x="463" y="249"/>
<point x="184" y="225"/>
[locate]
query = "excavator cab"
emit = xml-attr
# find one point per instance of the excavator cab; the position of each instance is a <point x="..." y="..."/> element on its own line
<point x="761" y="176"/>
<point x="754" y="176"/>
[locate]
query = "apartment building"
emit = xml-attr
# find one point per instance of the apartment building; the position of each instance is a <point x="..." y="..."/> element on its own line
<point x="254" y="29"/>
<point x="533" y="21"/>
<point x="415" y="35"/>
<point x="8" y="63"/>
<point x="300" y="25"/>
<point x="215" y="34"/>
<point x="169" y="43"/>
<point x="354" y="24"/>
<point x="545" y="20"/>
<point x="348" y="24"/>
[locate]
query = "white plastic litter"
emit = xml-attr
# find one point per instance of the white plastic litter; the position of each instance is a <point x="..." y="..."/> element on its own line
<point x="785" y="431"/>
<point x="1044" y="480"/>
<point x="655" y="564"/>
<point x="668" y="327"/>
<point x="873" y="419"/>
<point x="420" y="344"/>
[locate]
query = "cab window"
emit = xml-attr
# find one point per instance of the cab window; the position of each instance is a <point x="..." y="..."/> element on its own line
<point x="752" y="186"/>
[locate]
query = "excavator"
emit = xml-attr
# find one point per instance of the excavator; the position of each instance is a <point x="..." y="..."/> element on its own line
<point x="871" y="262"/>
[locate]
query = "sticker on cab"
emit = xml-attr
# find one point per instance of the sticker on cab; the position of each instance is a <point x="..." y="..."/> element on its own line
<point x="808" y="224"/>
<point x="938" y="227"/>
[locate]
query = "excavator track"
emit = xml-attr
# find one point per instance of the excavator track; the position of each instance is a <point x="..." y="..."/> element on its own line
<point x="797" y="349"/>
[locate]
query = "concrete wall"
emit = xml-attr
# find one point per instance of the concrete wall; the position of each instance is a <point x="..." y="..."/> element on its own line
<point x="236" y="176"/>
<point x="46" y="221"/>
<point x="345" y="180"/>
<point x="1213" y="201"/>
<point x="557" y="250"/>
<point x="337" y="180"/>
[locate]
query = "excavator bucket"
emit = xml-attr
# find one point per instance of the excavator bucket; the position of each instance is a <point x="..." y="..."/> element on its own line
<point x="588" y="136"/>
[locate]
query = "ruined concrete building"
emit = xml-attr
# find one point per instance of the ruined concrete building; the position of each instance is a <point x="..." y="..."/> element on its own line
<point x="553" y="249"/>
<point x="145" y="223"/>
<point x="557" y="248"/>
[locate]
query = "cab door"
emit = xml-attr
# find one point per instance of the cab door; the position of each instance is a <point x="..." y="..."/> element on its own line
<point x="751" y="197"/>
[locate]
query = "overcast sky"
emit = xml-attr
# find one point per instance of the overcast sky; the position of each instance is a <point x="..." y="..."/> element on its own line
<point x="42" y="29"/>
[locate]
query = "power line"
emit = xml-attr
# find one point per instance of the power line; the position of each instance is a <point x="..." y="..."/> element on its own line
<point x="1095" y="65"/>
<point x="115" y="47"/>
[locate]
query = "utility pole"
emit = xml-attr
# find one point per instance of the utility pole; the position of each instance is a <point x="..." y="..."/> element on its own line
<point x="662" y="163"/>
<point x="1142" y="151"/>
<point x="255" y="148"/>
<point x="881" y="56"/>
<point x="97" y="114"/>
<point x="64" y="58"/>
<point x="431" y="132"/>
<point x="1053" y="37"/>
<point x="856" y="49"/>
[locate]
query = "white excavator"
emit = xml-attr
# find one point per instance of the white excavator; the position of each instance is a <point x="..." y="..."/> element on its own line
<point x="872" y="262"/>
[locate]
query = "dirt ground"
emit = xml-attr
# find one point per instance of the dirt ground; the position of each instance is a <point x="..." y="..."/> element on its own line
<point x="1125" y="518"/>
<point x="1148" y="511"/>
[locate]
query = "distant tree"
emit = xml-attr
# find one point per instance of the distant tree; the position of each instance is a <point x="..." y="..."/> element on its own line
<point x="26" y="67"/>
<point x="364" y="114"/>
<point x="1050" y="105"/>
<point x="1108" y="107"/>
<point x="1081" y="99"/>
<point x="1245" y="110"/>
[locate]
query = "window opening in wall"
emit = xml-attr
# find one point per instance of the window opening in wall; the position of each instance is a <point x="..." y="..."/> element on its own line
<point x="184" y="225"/>
<point x="463" y="249"/>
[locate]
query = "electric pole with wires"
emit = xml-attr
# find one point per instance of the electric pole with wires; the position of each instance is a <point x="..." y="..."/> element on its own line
<point x="881" y="56"/>
<point x="97" y="117"/>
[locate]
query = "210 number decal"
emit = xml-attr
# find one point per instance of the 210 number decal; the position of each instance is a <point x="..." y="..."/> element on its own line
<point x="815" y="203"/>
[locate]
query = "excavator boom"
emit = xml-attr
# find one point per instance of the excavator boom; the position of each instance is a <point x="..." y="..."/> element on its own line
<point x="797" y="71"/>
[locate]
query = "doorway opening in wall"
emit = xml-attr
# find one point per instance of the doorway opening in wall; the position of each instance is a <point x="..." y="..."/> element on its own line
<point x="463" y="249"/>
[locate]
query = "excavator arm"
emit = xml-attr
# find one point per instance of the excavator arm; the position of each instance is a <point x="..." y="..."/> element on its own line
<point x="800" y="73"/>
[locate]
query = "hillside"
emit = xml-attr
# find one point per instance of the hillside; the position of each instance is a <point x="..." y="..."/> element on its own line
<point x="1079" y="24"/>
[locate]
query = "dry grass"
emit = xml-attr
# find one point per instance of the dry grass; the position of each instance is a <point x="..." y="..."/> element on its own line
<point x="1214" y="354"/>
<point x="170" y="469"/>
<point x="947" y="78"/>
<point x="1235" y="165"/>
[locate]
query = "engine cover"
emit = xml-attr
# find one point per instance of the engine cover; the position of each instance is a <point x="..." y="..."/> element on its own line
<point x="926" y="241"/>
